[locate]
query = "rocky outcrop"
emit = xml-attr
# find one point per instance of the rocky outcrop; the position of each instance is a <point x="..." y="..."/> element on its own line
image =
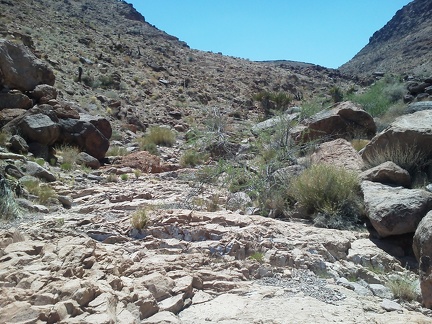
<point x="345" y="120"/>
<point x="20" y="69"/>
<point x="395" y="210"/>
<point x="401" y="46"/>
<point x="407" y="133"/>
<point x="422" y="246"/>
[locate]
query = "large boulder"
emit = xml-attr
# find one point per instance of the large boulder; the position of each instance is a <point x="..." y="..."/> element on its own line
<point x="84" y="134"/>
<point x="44" y="93"/>
<point x="408" y="132"/>
<point x="345" y="120"/>
<point x="21" y="69"/>
<point x="422" y="247"/>
<point x="39" y="128"/>
<point x="395" y="210"/>
<point x="340" y="153"/>
<point x="15" y="99"/>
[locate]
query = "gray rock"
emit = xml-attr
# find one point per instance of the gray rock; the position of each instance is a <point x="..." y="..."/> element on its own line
<point x="388" y="173"/>
<point x="88" y="160"/>
<point x="395" y="210"/>
<point x="18" y="144"/>
<point x="238" y="200"/>
<point x="20" y="69"/>
<point x="422" y="247"/>
<point x="419" y="106"/>
<point x="15" y="100"/>
<point x="43" y="93"/>
<point x="39" y="128"/>
<point x="381" y="291"/>
<point x="391" y="306"/>
<point x="34" y="169"/>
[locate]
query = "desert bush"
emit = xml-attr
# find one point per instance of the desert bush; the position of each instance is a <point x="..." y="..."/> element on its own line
<point x="124" y="177"/>
<point x="330" y="194"/>
<point x="257" y="256"/>
<point x="117" y="151"/>
<point x="403" y="288"/>
<point x="336" y="94"/>
<point x="43" y="191"/>
<point x="380" y="96"/>
<point x="139" y="219"/>
<point x="359" y="144"/>
<point x="310" y="108"/>
<point x="8" y="207"/>
<point x="157" y="136"/>
<point x="408" y="157"/>
<point x="270" y="101"/>
<point x="4" y="137"/>
<point x="69" y="156"/>
<point x="191" y="158"/>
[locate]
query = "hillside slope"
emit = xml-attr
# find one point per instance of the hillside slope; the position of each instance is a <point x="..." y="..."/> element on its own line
<point x="401" y="46"/>
<point x="156" y="78"/>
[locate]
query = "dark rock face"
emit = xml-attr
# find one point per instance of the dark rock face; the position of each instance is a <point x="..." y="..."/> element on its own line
<point x="20" y="69"/>
<point x="84" y="134"/>
<point x="401" y="45"/>
<point x="15" y="100"/>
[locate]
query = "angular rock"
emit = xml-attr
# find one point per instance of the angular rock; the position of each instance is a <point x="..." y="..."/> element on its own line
<point x="18" y="144"/>
<point x="339" y="153"/>
<point x="44" y="93"/>
<point x="346" y="120"/>
<point x="85" y="135"/>
<point x="7" y="115"/>
<point x="164" y="317"/>
<point x="15" y="100"/>
<point x="388" y="173"/>
<point x="422" y="247"/>
<point x="238" y="200"/>
<point x="419" y="106"/>
<point x="39" y="128"/>
<point x="20" y="69"/>
<point x="88" y="160"/>
<point x="33" y="169"/>
<point x="159" y="285"/>
<point x="395" y="210"/>
<point x="381" y="291"/>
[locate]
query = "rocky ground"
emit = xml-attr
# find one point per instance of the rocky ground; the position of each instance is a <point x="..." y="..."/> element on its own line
<point x="88" y="265"/>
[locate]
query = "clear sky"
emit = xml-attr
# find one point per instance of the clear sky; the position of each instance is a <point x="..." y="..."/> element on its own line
<point x="324" y="32"/>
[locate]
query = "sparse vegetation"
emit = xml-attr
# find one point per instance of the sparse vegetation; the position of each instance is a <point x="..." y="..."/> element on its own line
<point x="68" y="157"/>
<point x="124" y="177"/>
<point x="139" y="219"/>
<point x="379" y="97"/>
<point x="257" y="256"/>
<point x="43" y="191"/>
<point x="191" y="158"/>
<point x="117" y="151"/>
<point x="410" y="158"/>
<point x="157" y="136"/>
<point x="330" y="194"/>
<point x="403" y="288"/>
<point x="273" y="101"/>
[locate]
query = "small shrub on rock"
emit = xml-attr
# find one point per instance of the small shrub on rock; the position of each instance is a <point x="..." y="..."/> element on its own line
<point x="139" y="219"/>
<point x="191" y="158"/>
<point x="403" y="288"/>
<point x="330" y="194"/>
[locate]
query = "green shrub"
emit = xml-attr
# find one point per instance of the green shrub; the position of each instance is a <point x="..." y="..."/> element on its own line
<point x="4" y="138"/>
<point x="139" y="219"/>
<point x="330" y="194"/>
<point x="310" y="108"/>
<point x="273" y="101"/>
<point x="380" y="96"/>
<point x="117" y="151"/>
<point x="257" y="256"/>
<point x="124" y="177"/>
<point x="69" y="156"/>
<point x="158" y="136"/>
<point x="43" y="191"/>
<point x="191" y="158"/>
<point x="336" y="94"/>
<point x="403" y="288"/>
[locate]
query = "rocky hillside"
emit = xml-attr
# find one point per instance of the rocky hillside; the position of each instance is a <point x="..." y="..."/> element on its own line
<point x="222" y="210"/>
<point x="153" y="76"/>
<point x="402" y="46"/>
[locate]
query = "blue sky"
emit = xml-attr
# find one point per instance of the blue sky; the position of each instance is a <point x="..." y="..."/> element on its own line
<point x="324" y="32"/>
